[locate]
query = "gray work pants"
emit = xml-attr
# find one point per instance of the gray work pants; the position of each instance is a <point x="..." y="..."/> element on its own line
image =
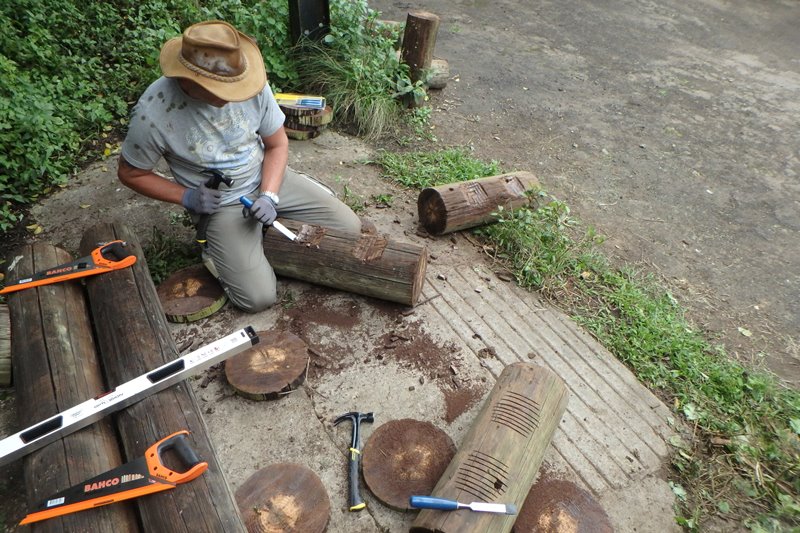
<point x="235" y="251"/>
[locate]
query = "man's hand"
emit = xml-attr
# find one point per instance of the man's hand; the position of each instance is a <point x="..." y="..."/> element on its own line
<point x="202" y="200"/>
<point x="263" y="210"/>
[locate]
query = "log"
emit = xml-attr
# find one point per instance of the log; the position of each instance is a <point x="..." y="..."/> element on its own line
<point x="190" y="294"/>
<point x="439" y="74"/>
<point x="501" y="452"/>
<point x="56" y="367"/>
<point x="363" y="263"/>
<point x="419" y="40"/>
<point x="5" y="347"/>
<point x="466" y="204"/>
<point x="403" y="458"/>
<point x="133" y="338"/>
<point x="275" y="366"/>
<point x="285" y="498"/>
<point x="553" y="506"/>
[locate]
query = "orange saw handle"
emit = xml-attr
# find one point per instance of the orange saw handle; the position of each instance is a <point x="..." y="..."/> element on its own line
<point x="113" y="255"/>
<point x="180" y="445"/>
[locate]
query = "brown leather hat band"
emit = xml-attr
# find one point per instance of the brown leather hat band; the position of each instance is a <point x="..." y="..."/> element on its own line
<point x="211" y="75"/>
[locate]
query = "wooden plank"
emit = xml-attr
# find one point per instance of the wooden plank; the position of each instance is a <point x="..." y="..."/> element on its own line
<point x="363" y="263"/>
<point x="56" y="367"/>
<point x="133" y="337"/>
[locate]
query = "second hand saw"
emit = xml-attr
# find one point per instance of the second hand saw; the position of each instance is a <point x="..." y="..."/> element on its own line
<point x="111" y="256"/>
<point x="145" y="475"/>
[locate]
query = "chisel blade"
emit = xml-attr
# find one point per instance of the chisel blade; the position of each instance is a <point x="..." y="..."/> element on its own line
<point x="289" y="234"/>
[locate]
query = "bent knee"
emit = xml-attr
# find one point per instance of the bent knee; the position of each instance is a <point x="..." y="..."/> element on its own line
<point x="253" y="302"/>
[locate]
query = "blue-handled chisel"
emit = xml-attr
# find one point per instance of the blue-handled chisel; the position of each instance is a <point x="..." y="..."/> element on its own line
<point x="289" y="234"/>
<point x="442" y="504"/>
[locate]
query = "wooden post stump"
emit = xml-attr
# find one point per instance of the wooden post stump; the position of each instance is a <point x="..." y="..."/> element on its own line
<point x="285" y="498"/>
<point x="403" y="458"/>
<point x="419" y="40"/>
<point x="457" y="206"/>
<point x="134" y="338"/>
<point x="363" y="263"/>
<point x="501" y="452"/>
<point x="56" y="367"/>
<point x="275" y="366"/>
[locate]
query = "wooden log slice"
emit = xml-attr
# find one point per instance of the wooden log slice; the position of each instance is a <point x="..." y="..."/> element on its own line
<point x="298" y="135"/>
<point x="555" y="505"/>
<point x="274" y="366"/>
<point x="405" y="457"/>
<point x="439" y="74"/>
<point x="321" y="117"/>
<point x="5" y="347"/>
<point x="284" y="498"/>
<point x="301" y="127"/>
<point x="298" y="111"/>
<point x="190" y="294"/>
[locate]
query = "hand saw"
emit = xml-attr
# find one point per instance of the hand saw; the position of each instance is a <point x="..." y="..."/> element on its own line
<point x="145" y="475"/>
<point x="111" y="256"/>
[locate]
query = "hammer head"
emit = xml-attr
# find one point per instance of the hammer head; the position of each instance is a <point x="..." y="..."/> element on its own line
<point x="356" y="417"/>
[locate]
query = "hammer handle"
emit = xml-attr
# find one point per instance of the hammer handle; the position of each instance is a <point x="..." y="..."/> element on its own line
<point x="213" y="182"/>
<point x="356" y="503"/>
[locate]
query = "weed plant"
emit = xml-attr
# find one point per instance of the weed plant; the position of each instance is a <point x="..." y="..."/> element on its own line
<point x="742" y="461"/>
<point x="166" y="254"/>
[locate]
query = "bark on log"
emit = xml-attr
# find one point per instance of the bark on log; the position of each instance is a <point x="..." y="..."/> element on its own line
<point x="501" y="452"/>
<point x="133" y="338"/>
<point x="363" y="263"/>
<point x="457" y="206"/>
<point x="419" y="40"/>
<point x="56" y="367"/>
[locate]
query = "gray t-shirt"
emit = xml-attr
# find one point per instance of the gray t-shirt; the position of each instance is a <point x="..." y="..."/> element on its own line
<point x="192" y="136"/>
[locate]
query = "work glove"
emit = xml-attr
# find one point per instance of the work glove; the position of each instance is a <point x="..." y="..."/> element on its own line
<point x="202" y="200"/>
<point x="263" y="209"/>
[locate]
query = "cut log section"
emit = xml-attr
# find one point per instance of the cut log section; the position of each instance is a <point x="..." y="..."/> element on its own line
<point x="5" y="347"/>
<point x="319" y="117"/>
<point x="274" y="366"/>
<point x="458" y="206"/>
<point x="439" y="74"/>
<point x="284" y="498"/>
<point x="133" y="337"/>
<point x="553" y="506"/>
<point x="363" y="263"/>
<point x="502" y="451"/>
<point x="56" y="366"/>
<point x="190" y="294"/>
<point x="299" y="135"/>
<point x="405" y="457"/>
<point x="419" y="40"/>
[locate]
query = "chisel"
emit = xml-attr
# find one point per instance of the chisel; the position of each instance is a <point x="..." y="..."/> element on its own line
<point x="442" y="504"/>
<point x="289" y="234"/>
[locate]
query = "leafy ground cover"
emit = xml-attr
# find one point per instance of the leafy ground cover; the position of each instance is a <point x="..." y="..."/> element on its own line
<point x="742" y="460"/>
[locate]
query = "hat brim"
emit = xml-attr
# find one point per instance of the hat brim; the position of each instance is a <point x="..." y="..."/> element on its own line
<point x="237" y="91"/>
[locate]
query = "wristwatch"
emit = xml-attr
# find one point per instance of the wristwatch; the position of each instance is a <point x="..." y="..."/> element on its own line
<point x="271" y="195"/>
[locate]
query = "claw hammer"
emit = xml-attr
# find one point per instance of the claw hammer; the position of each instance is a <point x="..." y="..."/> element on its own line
<point x="356" y="503"/>
<point x="217" y="178"/>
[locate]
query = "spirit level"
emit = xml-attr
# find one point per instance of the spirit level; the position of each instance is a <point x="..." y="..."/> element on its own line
<point x="128" y="393"/>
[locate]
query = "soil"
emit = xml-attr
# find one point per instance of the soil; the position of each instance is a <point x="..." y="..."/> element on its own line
<point x="669" y="126"/>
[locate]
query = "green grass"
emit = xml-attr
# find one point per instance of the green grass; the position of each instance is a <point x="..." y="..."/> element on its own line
<point x="742" y="461"/>
<point x="165" y="255"/>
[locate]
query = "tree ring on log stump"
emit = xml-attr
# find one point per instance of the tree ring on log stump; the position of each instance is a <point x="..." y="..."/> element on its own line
<point x="405" y="457"/>
<point x="190" y="294"/>
<point x="284" y="498"/>
<point x="274" y="366"/>
<point x="556" y="505"/>
<point x="432" y="211"/>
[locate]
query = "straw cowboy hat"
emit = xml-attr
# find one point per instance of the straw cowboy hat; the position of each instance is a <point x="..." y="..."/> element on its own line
<point x="218" y="57"/>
